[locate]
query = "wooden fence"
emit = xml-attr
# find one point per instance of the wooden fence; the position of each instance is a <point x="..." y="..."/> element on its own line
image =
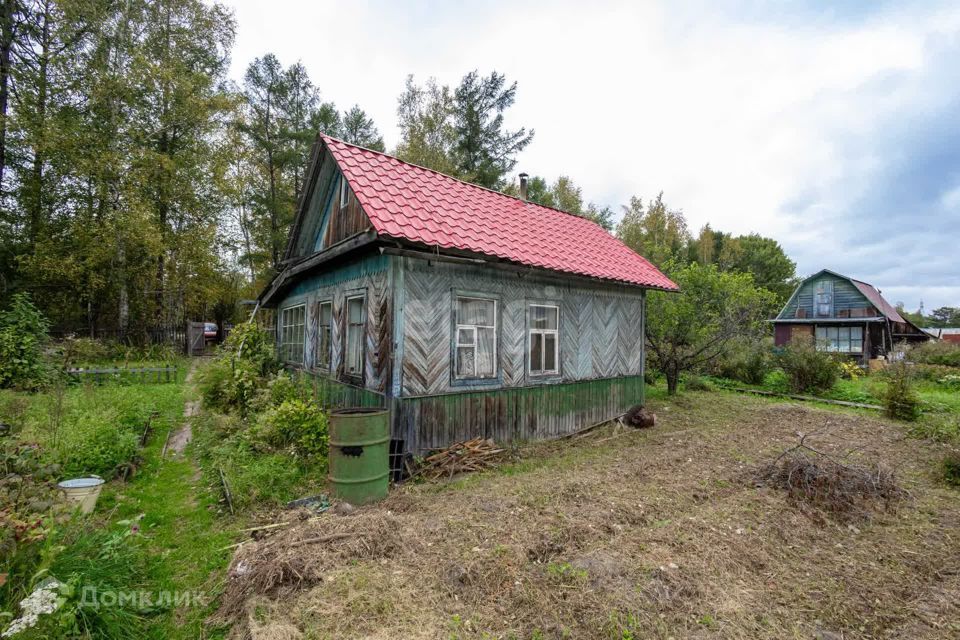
<point x="143" y="375"/>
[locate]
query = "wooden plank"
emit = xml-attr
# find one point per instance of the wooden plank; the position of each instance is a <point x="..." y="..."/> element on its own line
<point x="842" y="403"/>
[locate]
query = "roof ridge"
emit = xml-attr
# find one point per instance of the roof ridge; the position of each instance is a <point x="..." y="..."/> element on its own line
<point x="460" y="180"/>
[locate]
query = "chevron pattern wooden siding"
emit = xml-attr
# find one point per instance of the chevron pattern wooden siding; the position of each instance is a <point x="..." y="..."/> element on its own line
<point x="379" y="326"/>
<point x="600" y="326"/>
<point x="426" y="346"/>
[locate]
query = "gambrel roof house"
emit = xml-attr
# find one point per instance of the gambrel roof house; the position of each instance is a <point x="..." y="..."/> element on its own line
<point x="464" y="311"/>
<point x="844" y="315"/>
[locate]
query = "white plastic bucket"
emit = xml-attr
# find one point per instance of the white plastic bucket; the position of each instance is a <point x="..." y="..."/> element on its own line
<point x="84" y="491"/>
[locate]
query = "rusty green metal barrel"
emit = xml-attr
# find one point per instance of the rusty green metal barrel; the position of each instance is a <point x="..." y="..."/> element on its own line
<point x="359" y="454"/>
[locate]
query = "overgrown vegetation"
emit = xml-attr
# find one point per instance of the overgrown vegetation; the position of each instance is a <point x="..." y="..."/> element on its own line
<point x="693" y="328"/>
<point x="23" y="334"/>
<point x="268" y="435"/>
<point x="936" y="352"/>
<point x="239" y="371"/>
<point x="900" y="399"/>
<point x="808" y="369"/>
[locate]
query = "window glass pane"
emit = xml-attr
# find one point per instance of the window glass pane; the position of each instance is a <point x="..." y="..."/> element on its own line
<point x="856" y="333"/>
<point x="550" y="352"/>
<point x="485" y="351"/>
<point x="844" y="333"/>
<point x="536" y="352"/>
<point x="542" y="317"/>
<point x="475" y="311"/>
<point x="465" y="336"/>
<point x="325" y="313"/>
<point x="354" y="349"/>
<point x="821" y="333"/>
<point x="465" y="361"/>
<point x="355" y="310"/>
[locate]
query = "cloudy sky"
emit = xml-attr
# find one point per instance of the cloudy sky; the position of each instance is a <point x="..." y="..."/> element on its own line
<point x="833" y="127"/>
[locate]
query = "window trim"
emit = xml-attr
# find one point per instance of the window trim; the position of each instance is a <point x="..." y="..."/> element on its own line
<point x="826" y="343"/>
<point x="329" y="363"/>
<point x="283" y="330"/>
<point x="542" y="373"/>
<point x="362" y="296"/>
<point x="458" y="380"/>
<point x="344" y="192"/>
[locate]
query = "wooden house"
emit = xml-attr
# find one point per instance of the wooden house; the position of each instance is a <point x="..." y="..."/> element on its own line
<point x="843" y="315"/>
<point x="463" y="311"/>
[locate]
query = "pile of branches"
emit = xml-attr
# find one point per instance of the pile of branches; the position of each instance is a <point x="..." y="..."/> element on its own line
<point x="846" y="491"/>
<point x="460" y="457"/>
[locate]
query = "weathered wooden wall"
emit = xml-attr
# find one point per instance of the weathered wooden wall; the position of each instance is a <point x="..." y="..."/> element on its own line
<point x="846" y="297"/>
<point x="369" y="275"/>
<point x="601" y="330"/>
<point x="512" y="414"/>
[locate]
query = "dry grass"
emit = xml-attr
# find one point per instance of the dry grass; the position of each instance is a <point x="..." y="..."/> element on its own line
<point x="649" y="534"/>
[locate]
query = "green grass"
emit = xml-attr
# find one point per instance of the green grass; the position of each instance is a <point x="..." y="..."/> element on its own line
<point x="940" y="418"/>
<point x="181" y="544"/>
<point x="184" y="532"/>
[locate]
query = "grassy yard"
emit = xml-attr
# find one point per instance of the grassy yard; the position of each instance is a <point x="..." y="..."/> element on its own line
<point x="180" y="545"/>
<point x="636" y="534"/>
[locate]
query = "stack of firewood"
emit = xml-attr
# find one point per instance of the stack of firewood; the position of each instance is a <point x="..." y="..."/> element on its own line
<point x="460" y="457"/>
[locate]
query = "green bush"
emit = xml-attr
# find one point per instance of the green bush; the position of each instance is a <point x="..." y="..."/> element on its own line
<point x="23" y="333"/>
<point x="808" y="370"/>
<point x="98" y="449"/>
<point x="936" y="352"/>
<point x="746" y="361"/>
<point x="302" y="425"/>
<point x="900" y="400"/>
<point x="234" y="378"/>
<point x="951" y="468"/>
<point x="951" y="382"/>
<point x="696" y="383"/>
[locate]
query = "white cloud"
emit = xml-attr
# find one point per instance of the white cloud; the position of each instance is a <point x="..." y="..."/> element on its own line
<point x="752" y="123"/>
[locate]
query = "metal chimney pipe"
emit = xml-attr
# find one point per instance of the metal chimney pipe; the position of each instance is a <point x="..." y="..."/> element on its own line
<point x="523" y="186"/>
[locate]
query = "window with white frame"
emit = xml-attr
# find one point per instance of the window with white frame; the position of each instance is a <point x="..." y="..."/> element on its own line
<point x="476" y="338"/>
<point x="353" y="360"/>
<point x="544" y="339"/>
<point x="840" y="339"/>
<point x="291" y="334"/>
<point x="324" y="333"/>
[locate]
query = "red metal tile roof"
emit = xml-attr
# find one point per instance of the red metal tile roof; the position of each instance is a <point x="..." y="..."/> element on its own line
<point x="420" y="205"/>
<point x="873" y="295"/>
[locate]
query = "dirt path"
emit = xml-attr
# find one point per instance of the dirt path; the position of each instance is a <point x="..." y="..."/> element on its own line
<point x="182" y="436"/>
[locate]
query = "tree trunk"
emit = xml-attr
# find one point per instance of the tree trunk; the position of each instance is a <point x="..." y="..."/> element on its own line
<point x="6" y="55"/>
<point x="672" y="373"/>
<point x="37" y="217"/>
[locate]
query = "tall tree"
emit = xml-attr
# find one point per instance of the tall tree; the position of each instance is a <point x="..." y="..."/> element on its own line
<point x="654" y="231"/>
<point x="691" y="328"/>
<point x="461" y="131"/>
<point x="484" y="150"/>
<point x="425" y="119"/>
<point x="358" y="128"/>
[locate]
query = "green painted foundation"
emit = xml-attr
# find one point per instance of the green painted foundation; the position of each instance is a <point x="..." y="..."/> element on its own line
<point x="359" y="454"/>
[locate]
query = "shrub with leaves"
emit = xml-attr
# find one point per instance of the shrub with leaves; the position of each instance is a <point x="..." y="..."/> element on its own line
<point x="936" y="352"/>
<point x="236" y="375"/>
<point x="808" y="369"/>
<point x="950" y="382"/>
<point x="23" y="333"/>
<point x="747" y="361"/>
<point x="951" y="468"/>
<point x="696" y="383"/>
<point x="296" y="423"/>
<point x="900" y="400"/>
<point x="850" y="370"/>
